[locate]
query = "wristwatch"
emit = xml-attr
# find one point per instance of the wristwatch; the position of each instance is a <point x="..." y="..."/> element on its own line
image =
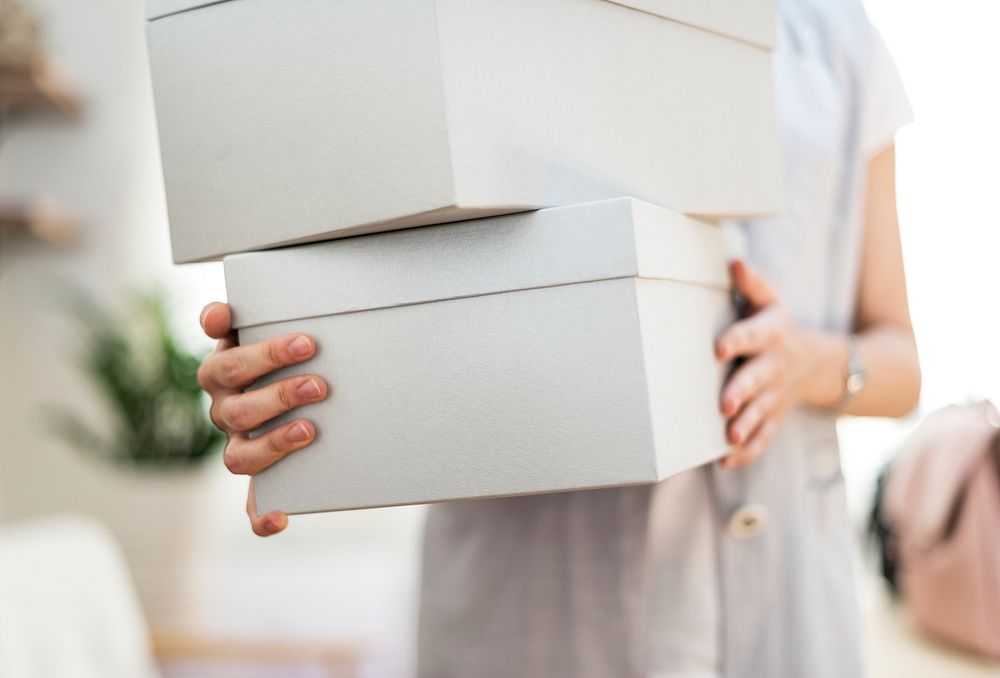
<point x="854" y="374"/>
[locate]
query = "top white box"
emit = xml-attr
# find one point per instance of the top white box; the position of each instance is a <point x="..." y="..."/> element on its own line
<point x="288" y="121"/>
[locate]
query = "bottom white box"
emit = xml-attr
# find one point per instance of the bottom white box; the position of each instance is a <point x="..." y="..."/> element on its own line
<point x="563" y="349"/>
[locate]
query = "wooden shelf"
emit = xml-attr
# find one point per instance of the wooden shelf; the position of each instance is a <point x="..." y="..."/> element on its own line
<point x="338" y="659"/>
<point x="39" y="88"/>
<point x="39" y="219"/>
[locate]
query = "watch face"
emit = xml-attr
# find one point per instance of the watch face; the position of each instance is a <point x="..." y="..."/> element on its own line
<point x="855" y="383"/>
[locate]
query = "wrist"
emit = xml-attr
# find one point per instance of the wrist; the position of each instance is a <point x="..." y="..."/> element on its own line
<point x="827" y="359"/>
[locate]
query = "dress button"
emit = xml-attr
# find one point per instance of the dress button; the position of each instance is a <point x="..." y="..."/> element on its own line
<point x="748" y="520"/>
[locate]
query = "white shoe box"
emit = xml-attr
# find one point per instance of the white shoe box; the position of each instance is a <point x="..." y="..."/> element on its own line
<point x="562" y="349"/>
<point x="288" y="121"/>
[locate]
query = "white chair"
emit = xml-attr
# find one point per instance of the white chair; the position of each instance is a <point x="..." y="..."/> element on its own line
<point x="68" y="608"/>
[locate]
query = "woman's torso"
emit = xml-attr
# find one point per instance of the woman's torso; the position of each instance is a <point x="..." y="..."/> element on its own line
<point x="667" y="580"/>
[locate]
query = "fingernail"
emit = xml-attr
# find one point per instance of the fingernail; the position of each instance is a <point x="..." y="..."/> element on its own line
<point x="300" y="347"/>
<point x="298" y="433"/>
<point x="309" y="390"/>
<point x="728" y="405"/>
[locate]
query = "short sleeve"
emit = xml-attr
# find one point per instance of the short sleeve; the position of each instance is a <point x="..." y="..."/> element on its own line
<point x="885" y="107"/>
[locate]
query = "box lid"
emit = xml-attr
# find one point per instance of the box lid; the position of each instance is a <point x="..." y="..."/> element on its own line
<point x="603" y="240"/>
<point x="160" y="8"/>
<point x="752" y="21"/>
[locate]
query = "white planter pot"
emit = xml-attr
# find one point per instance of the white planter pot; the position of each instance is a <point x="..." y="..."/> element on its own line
<point x="159" y="518"/>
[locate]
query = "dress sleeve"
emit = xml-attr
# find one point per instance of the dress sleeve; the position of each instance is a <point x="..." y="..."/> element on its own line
<point x="885" y="107"/>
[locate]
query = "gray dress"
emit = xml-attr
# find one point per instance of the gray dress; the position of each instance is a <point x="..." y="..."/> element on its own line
<point x="711" y="573"/>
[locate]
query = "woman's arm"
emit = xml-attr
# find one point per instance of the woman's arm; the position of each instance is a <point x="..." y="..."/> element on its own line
<point x="882" y="322"/>
<point x="883" y="317"/>
<point x="787" y="366"/>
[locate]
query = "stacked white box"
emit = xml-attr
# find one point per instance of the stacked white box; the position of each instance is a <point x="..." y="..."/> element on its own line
<point x="561" y="349"/>
<point x="287" y="121"/>
<point x="541" y="351"/>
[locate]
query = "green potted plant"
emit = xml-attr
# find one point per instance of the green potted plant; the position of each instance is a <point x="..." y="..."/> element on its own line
<point x="151" y="445"/>
<point x="150" y="384"/>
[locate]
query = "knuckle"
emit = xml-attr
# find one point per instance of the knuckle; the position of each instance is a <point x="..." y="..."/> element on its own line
<point x="232" y="458"/>
<point x="275" y="448"/>
<point x="275" y="356"/>
<point x="213" y="415"/>
<point x="237" y="415"/>
<point x="233" y="368"/>
<point x="284" y="395"/>
<point x="204" y="374"/>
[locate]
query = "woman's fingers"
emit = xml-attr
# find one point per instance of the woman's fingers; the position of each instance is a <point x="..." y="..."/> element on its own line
<point x="232" y="368"/>
<point x="749" y="380"/>
<point x="245" y="412"/>
<point x="752" y="399"/>
<point x="744" y="454"/>
<point x="216" y="320"/>
<point x="742" y="427"/>
<point x="240" y="366"/>
<point x="745" y="279"/>
<point x="268" y="524"/>
<point x="249" y="456"/>
<point x="751" y="336"/>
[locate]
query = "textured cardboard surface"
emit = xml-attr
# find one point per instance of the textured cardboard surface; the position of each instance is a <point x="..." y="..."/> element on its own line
<point x="561" y="245"/>
<point x="533" y="391"/>
<point x="288" y="121"/>
<point x="552" y="388"/>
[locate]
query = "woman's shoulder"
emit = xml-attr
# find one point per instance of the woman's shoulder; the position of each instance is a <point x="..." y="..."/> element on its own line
<point x="847" y="25"/>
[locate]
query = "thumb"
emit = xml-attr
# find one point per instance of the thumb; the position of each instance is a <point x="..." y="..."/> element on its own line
<point x="216" y="320"/>
<point x="750" y="284"/>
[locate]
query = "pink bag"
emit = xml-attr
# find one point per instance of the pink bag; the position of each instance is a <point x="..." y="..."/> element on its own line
<point x="939" y="518"/>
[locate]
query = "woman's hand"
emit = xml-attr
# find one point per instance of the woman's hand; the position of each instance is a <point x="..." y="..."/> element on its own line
<point x="787" y="366"/>
<point x="227" y="372"/>
<point x="759" y="394"/>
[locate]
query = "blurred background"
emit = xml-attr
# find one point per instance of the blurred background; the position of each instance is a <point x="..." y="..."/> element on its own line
<point x="83" y="226"/>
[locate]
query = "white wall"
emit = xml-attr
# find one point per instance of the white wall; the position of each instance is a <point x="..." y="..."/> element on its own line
<point x="948" y="168"/>
<point x="348" y="575"/>
<point x="98" y="168"/>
